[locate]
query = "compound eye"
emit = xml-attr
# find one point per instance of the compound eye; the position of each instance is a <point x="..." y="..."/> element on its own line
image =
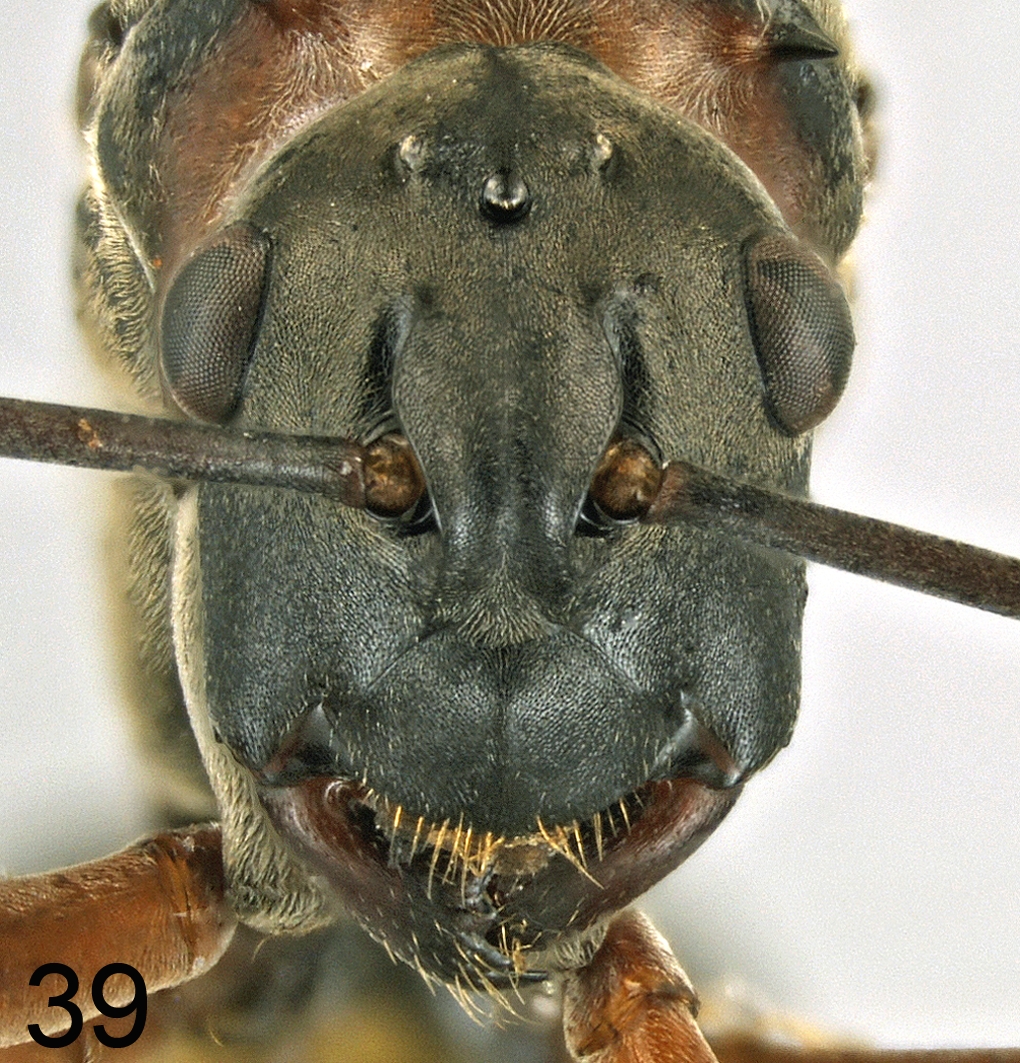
<point x="394" y="481"/>
<point x="626" y="481"/>
<point x="802" y="332"/>
<point x="210" y="321"/>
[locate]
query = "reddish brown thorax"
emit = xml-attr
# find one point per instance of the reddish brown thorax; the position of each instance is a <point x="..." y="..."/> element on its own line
<point x="283" y="62"/>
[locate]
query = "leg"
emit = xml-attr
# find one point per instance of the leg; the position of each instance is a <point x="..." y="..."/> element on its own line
<point x="157" y="906"/>
<point x="633" y="1003"/>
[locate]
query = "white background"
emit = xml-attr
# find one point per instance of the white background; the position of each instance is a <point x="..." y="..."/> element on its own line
<point x="869" y="879"/>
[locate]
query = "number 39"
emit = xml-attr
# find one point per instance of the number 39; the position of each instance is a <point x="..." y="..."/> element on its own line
<point x="136" y="1006"/>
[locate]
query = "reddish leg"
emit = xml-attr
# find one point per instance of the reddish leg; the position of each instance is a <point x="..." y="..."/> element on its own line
<point x="633" y="1003"/>
<point x="157" y="906"/>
